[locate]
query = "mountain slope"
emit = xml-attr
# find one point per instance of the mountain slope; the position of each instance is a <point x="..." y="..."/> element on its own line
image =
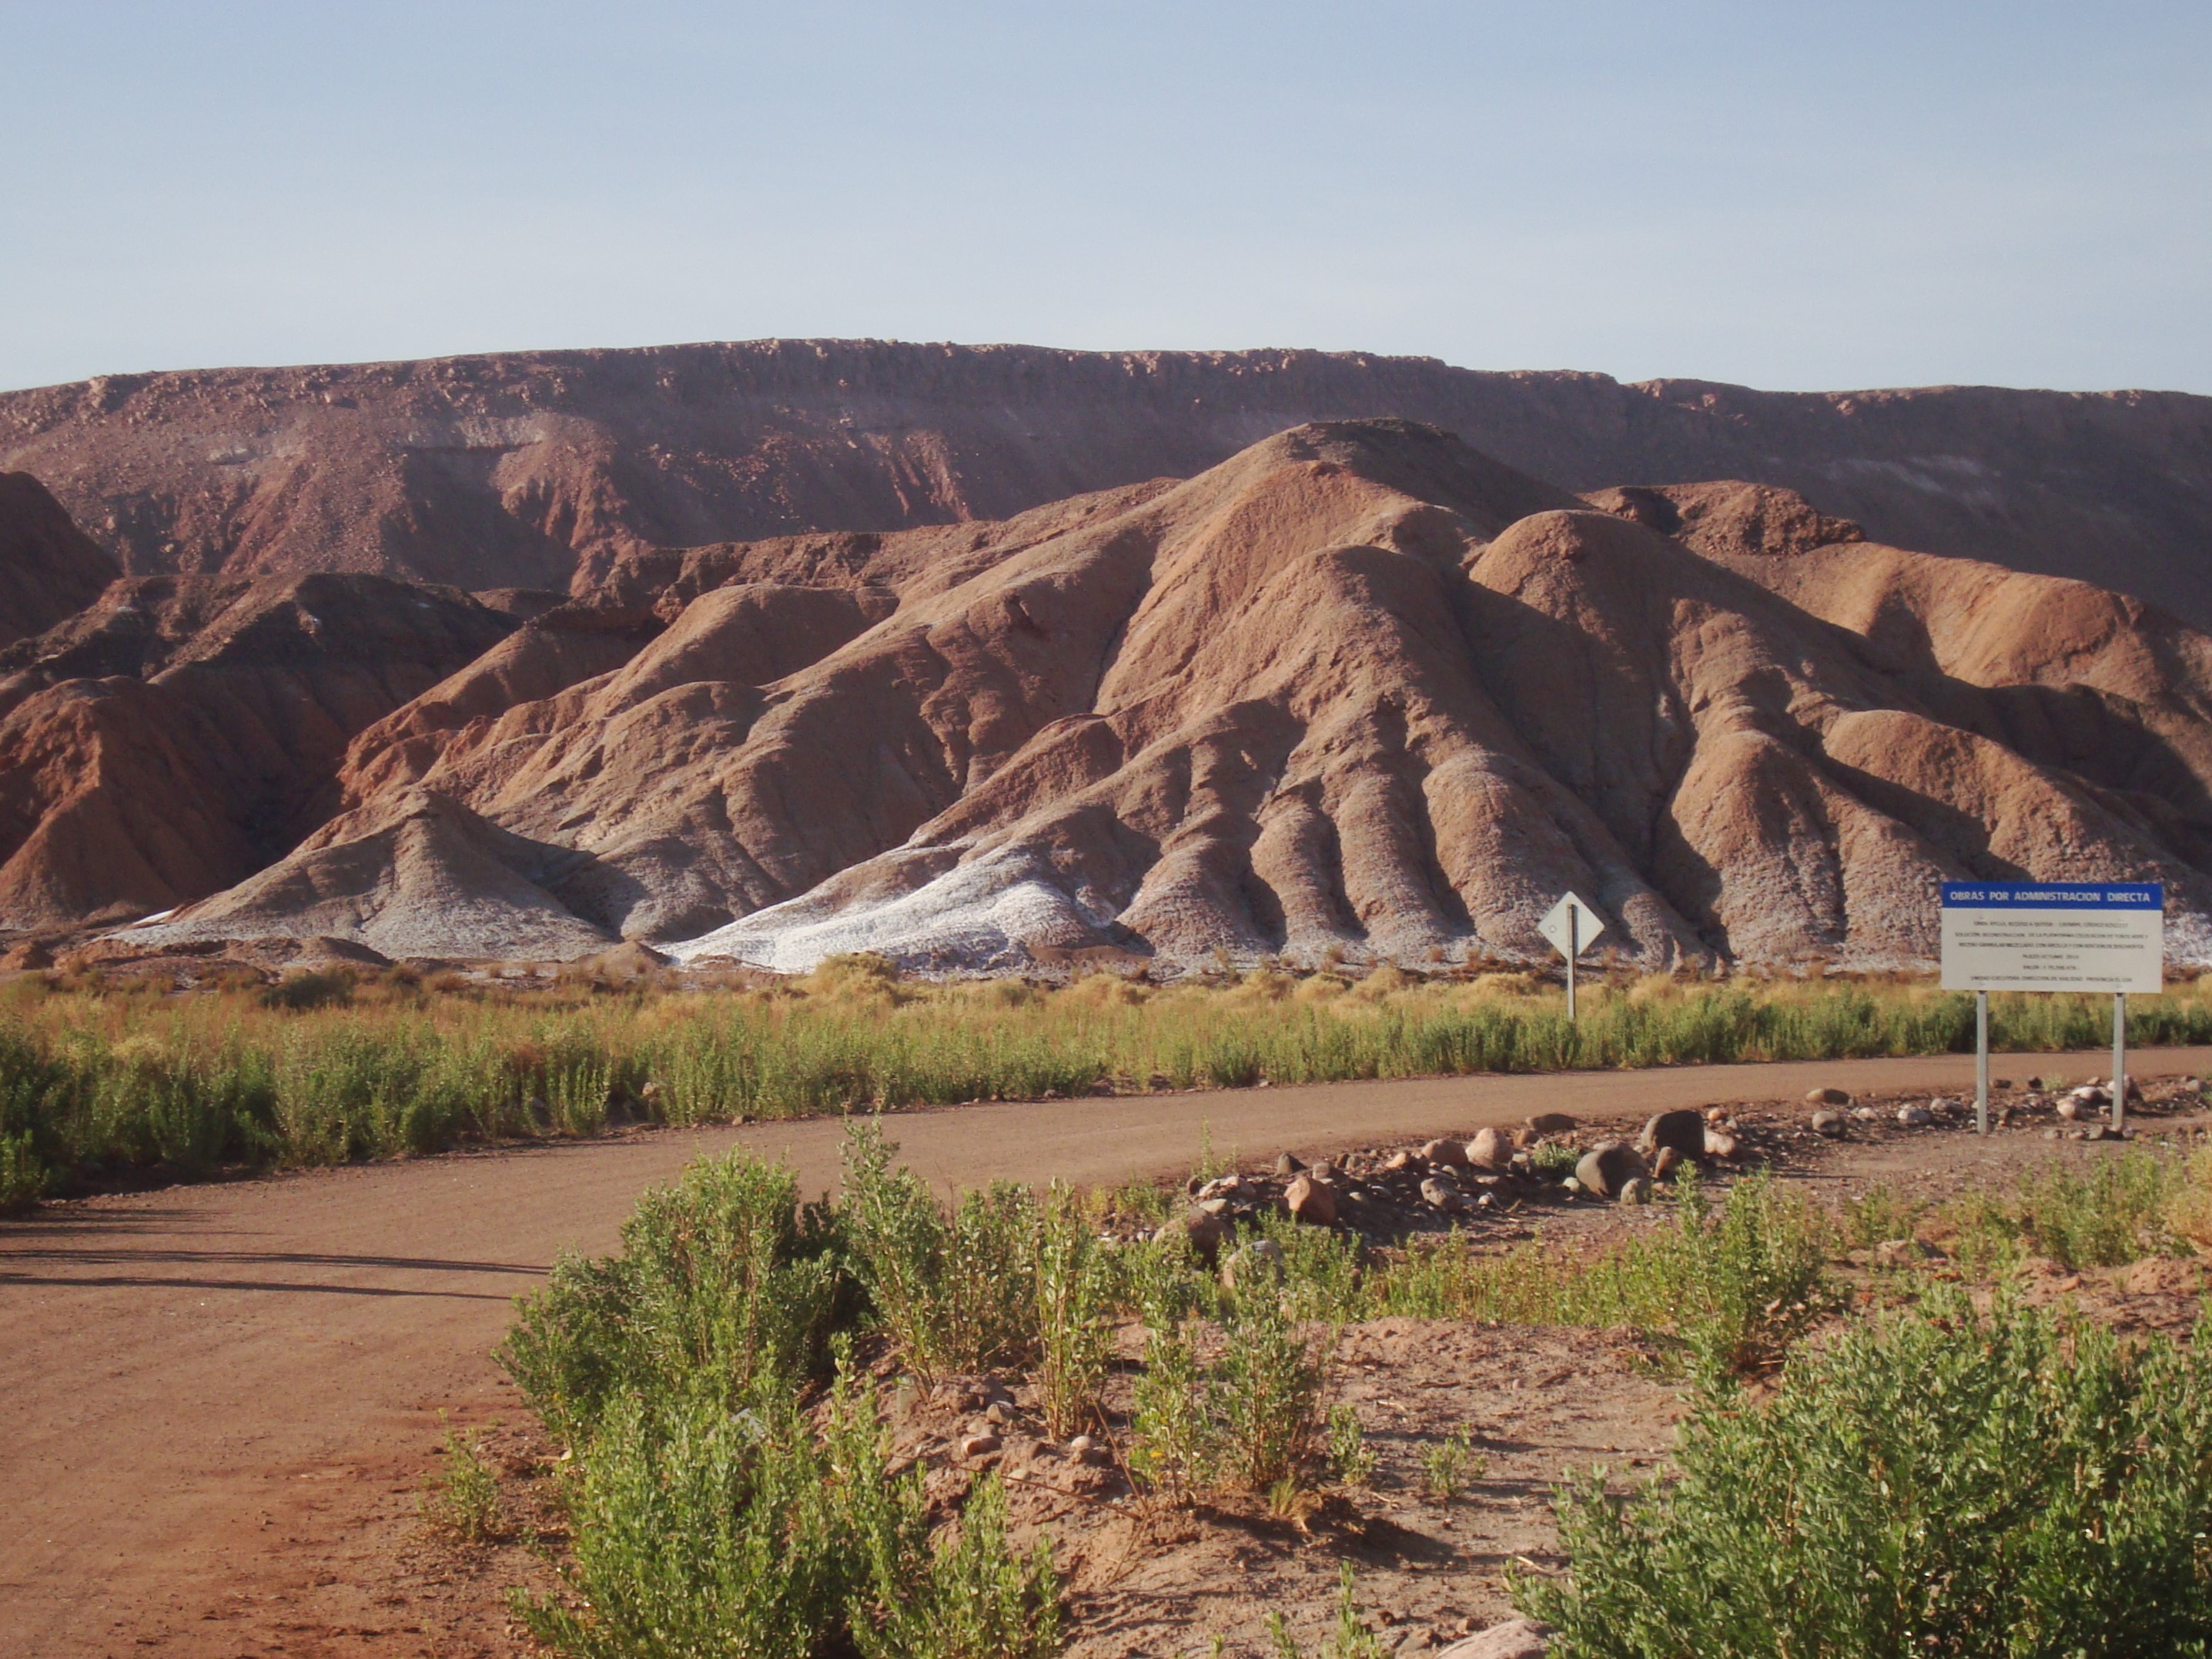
<point x="49" y="568"/>
<point x="507" y="471"/>
<point x="183" y="732"/>
<point x="1359" y="689"/>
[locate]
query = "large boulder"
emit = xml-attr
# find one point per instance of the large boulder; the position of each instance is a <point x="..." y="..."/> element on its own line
<point x="1684" y="1130"/>
<point x="1491" y="1149"/>
<point x="1310" y="1202"/>
<point x="1205" y="1232"/>
<point x="1607" y="1168"/>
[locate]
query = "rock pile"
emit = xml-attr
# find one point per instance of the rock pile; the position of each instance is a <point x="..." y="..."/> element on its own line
<point x="1386" y="1193"/>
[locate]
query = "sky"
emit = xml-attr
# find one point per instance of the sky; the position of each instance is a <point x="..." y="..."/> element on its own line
<point x="1779" y="194"/>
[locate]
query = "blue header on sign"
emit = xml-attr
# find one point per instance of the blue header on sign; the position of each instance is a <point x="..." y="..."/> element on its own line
<point x="2054" y="895"/>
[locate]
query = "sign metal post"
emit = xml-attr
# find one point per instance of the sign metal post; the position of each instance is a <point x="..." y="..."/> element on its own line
<point x="1571" y="927"/>
<point x="2053" y="936"/>
<point x="1981" y="1062"/>
<point x="1574" y="950"/>
<point x="2119" y="1059"/>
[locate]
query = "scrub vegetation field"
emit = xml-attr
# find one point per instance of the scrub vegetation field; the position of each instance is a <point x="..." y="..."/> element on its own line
<point x="109" y="1082"/>
<point x="1895" y="1419"/>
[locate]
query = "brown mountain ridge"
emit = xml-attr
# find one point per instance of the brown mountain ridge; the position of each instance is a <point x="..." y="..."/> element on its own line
<point x="510" y="471"/>
<point x="1359" y="689"/>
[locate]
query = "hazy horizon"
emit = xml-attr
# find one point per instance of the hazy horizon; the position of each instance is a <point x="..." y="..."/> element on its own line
<point x="1897" y="197"/>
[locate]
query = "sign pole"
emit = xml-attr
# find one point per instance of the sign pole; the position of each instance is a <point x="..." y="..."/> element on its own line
<point x="1981" y="1062"/>
<point x="1574" y="943"/>
<point x="2119" y="1059"/>
<point x="1562" y="929"/>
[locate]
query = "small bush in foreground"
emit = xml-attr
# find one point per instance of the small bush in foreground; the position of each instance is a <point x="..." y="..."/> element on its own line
<point x="696" y="1532"/>
<point x="1351" y="1459"/>
<point x="1736" y="1283"/>
<point x="955" y="1293"/>
<point x="462" y="1500"/>
<point x="1173" y="1453"/>
<point x="1351" y="1639"/>
<point x="1941" y="1481"/>
<point x="1075" y="1322"/>
<point x="2104" y="1214"/>
<point x="1267" y="1396"/>
<point x="1449" y="1464"/>
<point x="757" y="1535"/>
<point x="725" y="1286"/>
<point x="1256" y="1420"/>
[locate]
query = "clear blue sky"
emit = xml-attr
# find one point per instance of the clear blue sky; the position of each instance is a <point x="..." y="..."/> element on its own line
<point x="1783" y="193"/>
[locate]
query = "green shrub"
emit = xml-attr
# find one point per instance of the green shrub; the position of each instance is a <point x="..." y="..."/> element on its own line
<point x="725" y="1288"/>
<point x="1878" y="1215"/>
<point x="23" y="1177"/>
<point x="697" y="1531"/>
<point x="1075" y="1325"/>
<point x="462" y="1500"/>
<point x="2106" y="1214"/>
<point x="955" y="1293"/>
<point x="1938" y="1481"/>
<point x="1162" y="1280"/>
<point x="1173" y="1448"/>
<point x="1255" y="1420"/>
<point x="964" y="1596"/>
<point x="1266" y="1397"/>
<point x="1754" y="1277"/>
<point x="1324" y="1272"/>
<point x="1351" y="1459"/>
<point x="700" y="1532"/>
<point x="1351" y="1639"/>
<point x="1555" y="1160"/>
<point x="1735" y="1287"/>
<point x="578" y="1094"/>
<point x="1447" y="1465"/>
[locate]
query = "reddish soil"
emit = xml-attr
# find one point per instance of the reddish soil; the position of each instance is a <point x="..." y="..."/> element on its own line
<point x="223" y="1400"/>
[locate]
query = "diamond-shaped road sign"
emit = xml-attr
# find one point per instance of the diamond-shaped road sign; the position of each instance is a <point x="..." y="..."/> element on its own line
<point x="1587" y="927"/>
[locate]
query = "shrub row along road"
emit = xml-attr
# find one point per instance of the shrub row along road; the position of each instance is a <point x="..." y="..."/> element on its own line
<point x="199" y="1382"/>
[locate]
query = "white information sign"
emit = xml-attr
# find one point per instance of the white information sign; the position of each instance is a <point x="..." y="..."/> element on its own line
<point x="2054" y="936"/>
<point x="1571" y="919"/>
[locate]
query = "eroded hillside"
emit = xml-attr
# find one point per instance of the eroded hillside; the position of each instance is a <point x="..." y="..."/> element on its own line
<point x="1359" y="689"/>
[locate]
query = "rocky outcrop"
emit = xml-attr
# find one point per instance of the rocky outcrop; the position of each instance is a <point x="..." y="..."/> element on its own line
<point x="49" y="568"/>
<point x="510" y="471"/>
<point x="185" y="731"/>
<point x="1357" y="690"/>
<point x="1728" y="517"/>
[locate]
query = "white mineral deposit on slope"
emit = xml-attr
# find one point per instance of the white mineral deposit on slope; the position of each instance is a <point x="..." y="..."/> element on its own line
<point x="975" y="917"/>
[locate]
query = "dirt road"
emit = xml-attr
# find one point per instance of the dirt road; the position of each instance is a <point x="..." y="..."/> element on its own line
<point x="219" y="1401"/>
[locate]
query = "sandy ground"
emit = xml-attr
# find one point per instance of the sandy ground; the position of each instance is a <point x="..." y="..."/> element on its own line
<point x="221" y="1401"/>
